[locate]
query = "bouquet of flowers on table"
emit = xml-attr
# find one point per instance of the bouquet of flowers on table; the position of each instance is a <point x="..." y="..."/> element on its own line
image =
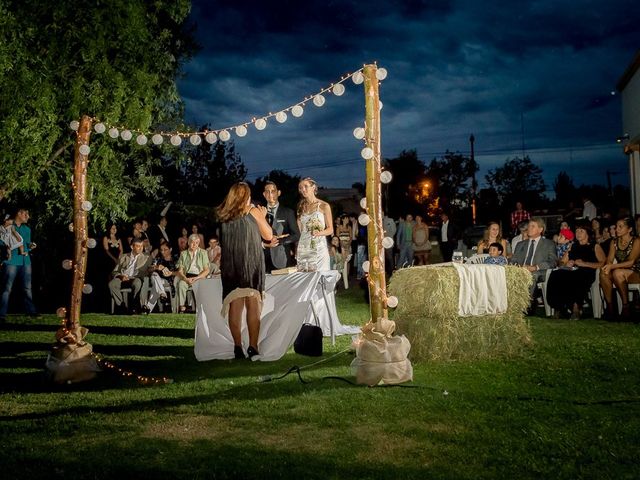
<point x="313" y="225"/>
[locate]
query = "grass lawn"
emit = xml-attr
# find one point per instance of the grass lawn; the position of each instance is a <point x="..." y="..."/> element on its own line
<point x="569" y="409"/>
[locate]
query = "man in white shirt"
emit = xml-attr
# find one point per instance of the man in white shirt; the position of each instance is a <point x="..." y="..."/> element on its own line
<point x="588" y="209"/>
<point x="130" y="273"/>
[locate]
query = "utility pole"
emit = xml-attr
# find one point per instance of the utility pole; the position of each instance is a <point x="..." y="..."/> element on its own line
<point x="474" y="184"/>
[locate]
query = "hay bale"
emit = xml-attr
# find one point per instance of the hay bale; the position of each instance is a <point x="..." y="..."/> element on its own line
<point x="427" y="314"/>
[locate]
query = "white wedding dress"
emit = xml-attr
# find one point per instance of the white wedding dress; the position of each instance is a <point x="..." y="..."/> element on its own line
<point x="313" y="252"/>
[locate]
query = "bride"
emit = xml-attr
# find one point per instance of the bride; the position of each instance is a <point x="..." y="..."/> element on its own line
<point x="316" y="223"/>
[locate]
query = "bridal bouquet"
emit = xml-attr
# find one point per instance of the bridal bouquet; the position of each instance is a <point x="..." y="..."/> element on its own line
<point x="313" y="225"/>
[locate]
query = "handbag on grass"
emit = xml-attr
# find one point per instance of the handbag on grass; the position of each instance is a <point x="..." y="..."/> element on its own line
<point x="309" y="340"/>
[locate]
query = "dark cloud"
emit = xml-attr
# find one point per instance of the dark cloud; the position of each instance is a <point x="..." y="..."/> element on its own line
<point x="495" y="69"/>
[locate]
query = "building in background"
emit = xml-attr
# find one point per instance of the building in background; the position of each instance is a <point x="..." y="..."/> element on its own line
<point x="629" y="87"/>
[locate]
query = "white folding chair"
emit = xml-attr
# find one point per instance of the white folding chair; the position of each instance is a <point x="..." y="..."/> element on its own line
<point x="125" y="298"/>
<point x="476" y="258"/>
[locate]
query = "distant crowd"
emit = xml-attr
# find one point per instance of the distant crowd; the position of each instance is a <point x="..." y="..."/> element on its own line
<point x="151" y="267"/>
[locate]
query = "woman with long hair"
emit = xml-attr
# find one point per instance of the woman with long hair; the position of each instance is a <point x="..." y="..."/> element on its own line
<point x="622" y="267"/>
<point x="244" y="228"/>
<point x="493" y="234"/>
<point x="112" y="244"/>
<point x="316" y="223"/>
<point x="567" y="287"/>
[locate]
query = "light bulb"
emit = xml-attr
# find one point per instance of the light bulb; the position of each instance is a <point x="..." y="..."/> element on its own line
<point x="86" y="206"/>
<point x="211" y="138"/>
<point x="380" y="105"/>
<point x="241" y="131"/>
<point x="157" y="139"/>
<point x="91" y="242"/>
<point x="74" y="125"/>
<point x="363" y="203"/>
<point x="357" y="78"/>
<point x="61" y="312"/>
<point x="87" y="289"/>
<point x="338" y="89"/>
<point x="387" y="242"/>
<point x="99" y="127"/>
<point x="318" y="100"/>
<point x="365" y="266"/>
<point x="67" y="264"/>
<point x="224" y="135"/>
<point x="126" y="135"/>
<point x="297" y="111"/>
<point x="195" y="140"/>
<point x="367" y="153"/>
<point x="176" y="140"/>
<point x="281" y="117"/>
<point x="381" y="73"/>
<point x="260" y="124"/>
<point x="392" y="302"/>
<point x="385" y="176"/>
<point x="358" y="133"/>
<point x="364" y="219"/>
<point x="141" y="139"/>
<point x="84" y="149"/>
<point x="113" y="132"/>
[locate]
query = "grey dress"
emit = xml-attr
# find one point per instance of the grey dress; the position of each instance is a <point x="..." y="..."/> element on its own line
<point x="242" y="262"/>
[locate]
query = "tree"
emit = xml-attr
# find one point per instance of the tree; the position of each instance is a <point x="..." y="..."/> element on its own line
<point x="565" y="190"/>
<point x="517" y="180"/>
<point x="450" y="179"/>
<point x="59" y="60"/>
<point x="408" y="172"/>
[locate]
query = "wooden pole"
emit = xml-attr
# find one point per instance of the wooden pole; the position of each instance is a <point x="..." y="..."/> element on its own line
<point x="375" y="232"/>
<point x="79" y="184"/>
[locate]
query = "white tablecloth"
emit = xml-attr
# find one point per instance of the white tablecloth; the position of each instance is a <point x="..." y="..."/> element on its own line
<point x="286" y="307"/>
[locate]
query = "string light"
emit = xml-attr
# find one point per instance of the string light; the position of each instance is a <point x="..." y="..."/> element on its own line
<point x="367" y="153"/>
<point x="125" y="373"/>
<point x="211" y="136"/>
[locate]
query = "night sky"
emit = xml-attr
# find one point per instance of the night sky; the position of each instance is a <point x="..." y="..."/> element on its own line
<point x="538" y="75"/>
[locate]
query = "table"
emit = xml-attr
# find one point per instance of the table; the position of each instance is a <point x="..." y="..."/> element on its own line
<point x="287" y="305"/>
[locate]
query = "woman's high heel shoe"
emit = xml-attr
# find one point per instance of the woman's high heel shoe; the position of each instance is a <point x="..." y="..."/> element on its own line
<point x="252" y="352"/>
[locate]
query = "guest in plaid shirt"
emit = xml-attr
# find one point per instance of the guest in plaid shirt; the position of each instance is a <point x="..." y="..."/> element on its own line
<point x="517" y="216"/>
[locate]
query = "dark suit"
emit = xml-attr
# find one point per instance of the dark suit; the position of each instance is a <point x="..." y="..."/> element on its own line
<point x="447" y="248"/>
<point x="544" y="257"/>
<point x="283" y="223"/>
<point x="155" y="237"/>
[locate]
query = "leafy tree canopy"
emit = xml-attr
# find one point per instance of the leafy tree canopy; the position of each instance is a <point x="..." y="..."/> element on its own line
<point x="115" y="60"/>
<point x="518" y="179"/>
<point x="451" y="177"/>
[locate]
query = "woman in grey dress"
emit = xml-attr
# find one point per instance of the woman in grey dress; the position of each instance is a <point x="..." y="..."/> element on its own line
<point x="243" y="229"/>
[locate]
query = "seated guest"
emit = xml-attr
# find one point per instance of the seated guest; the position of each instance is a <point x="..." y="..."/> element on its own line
<point x="183" y="239"/>
<point x="522" y="228"/>
<point x="193" y="265"/>
<point x="621" y="269"/>
<point x="214" y="252"/>
<point x="495" y="255"/>
<point x="536" y="255"/>
<point x="336" y="260"/>
<point x="162" y="271"/>
<point x="568" y="287"/>
<point x="565" y="239"/>
<point x="492" y="234"/>
<point x="129" y="273"/>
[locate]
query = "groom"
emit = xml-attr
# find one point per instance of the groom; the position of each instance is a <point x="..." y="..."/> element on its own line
<point x="279" y="252"/>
